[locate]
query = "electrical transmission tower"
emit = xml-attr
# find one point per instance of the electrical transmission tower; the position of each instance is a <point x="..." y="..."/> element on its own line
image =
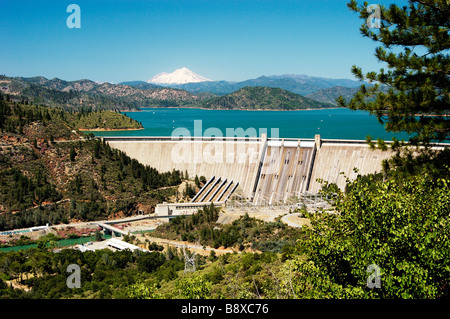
<point x="189" y="261"/>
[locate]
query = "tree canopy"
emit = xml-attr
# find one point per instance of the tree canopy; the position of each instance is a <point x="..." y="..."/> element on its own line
<point x="415" y="46"/>
<point x="401" y="226"/>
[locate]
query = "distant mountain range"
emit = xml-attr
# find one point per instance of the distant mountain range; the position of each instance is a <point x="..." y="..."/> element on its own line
<point x="329" y="95"/>
<point x="321" y="89"/>
<point x="190" y="81"/>
<point x="299" y="92"/>
<point x="71" y="95"/>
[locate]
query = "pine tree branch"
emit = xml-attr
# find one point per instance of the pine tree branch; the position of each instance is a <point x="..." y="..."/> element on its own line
<point x="430" y="6"/>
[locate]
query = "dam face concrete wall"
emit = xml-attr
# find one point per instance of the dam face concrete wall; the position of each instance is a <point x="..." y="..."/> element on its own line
<point x="236" y="160"/>
<point x="335" y="157"/>
<point x="268" y="171"/>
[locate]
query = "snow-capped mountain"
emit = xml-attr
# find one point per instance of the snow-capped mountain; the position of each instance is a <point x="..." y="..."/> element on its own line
<point x="180" y="76"/>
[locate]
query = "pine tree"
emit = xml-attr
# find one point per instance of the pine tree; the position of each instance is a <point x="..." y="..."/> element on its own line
<point x="197" y="181"/>
<point x="72" y="153"/>
<point x="418" y="77"/>
<point x="97" y="149"/>
<point x="413" y="94"/>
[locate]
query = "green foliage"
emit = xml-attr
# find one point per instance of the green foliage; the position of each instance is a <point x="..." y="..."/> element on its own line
<point x="18" y="191"/>
<point x="253" y="98"/>
<point x="410" y="160"/>
<point x="38" y="92"/>
<point x="104" y="273"/>
<point x="97" y="235"/>
<point x="58" y="123"/>
<point x="150" y="261"/>
<point x="140" y="290"/>
<point x="193" y="287"/>
<point x="155" y="247"/>
<point x="51" y="122"/>
<point x="401" y="225"/>
<point x="189" y="191"/>
<point x="413" y="94"/>
<point x="72" y="153"/>
<point x="106" y="120"/>
<point x="197" y="181"/>
<point x="38" y="177"/>
<point x="92" y="96"/>
<point x="203" y="227"/>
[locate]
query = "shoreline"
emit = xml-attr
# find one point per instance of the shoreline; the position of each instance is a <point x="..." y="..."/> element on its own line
<point x="109" y="129"/>
<point x="278" y="110"/>
<point x="417" y="115"/>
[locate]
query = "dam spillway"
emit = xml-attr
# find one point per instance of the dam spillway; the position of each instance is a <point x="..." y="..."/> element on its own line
<point x="285" y="170"/>
<point x="267" y="171"/>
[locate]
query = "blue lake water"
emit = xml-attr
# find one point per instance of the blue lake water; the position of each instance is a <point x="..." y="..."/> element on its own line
<point x="329" y="123"/>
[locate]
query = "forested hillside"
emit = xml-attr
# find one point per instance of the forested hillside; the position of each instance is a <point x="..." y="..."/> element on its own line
<point x="74" y="95"/>
<point x="403" y="234"/>
<point x="105" y="120"/>
<point x="263" y="98"/>
<point x="50" y="172"/>
<point x="400" y="223"/>
<point x="246" y="232"/>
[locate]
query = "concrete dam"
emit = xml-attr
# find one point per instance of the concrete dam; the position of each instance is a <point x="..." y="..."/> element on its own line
<point x="265" y="171"/>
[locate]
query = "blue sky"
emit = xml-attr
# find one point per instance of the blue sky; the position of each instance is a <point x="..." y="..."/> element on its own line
<point x="230" y="40"/>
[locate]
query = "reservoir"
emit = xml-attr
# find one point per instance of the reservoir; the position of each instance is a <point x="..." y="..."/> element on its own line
<point x="337" y="123"/>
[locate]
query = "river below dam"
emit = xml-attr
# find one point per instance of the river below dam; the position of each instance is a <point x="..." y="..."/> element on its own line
<point x="329" y="123"/>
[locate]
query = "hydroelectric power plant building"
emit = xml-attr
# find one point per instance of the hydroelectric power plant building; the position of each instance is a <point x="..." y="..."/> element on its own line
<point x="264" y="170"/>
